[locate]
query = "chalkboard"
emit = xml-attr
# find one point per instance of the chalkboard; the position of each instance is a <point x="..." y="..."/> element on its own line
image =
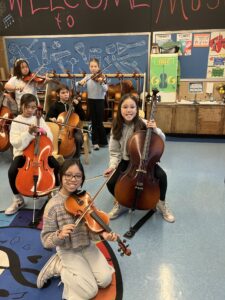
<point x="45" y="17"/>
<point x="116" y="53"/>
<point x="172" y="15"/>
<point x="195" y="64"/>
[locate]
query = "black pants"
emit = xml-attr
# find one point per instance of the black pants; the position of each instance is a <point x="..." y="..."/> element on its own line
<point x="78" y="137"/>
<point x="19" y="161"/>
<point x="159" y="174"/>
<point x="96" y="111"/>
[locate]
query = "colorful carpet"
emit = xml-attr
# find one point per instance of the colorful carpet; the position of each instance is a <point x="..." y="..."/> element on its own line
<point x="22" y="256"/>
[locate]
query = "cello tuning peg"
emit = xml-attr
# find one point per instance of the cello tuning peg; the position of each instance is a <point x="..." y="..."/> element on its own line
<point x="124" y="241"/>
<point x="119" y="250"/>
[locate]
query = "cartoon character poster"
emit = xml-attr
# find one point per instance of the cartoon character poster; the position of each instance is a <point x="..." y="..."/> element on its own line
<point x="216" y="58"/>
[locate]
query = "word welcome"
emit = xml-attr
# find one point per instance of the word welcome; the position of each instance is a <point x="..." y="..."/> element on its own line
<point x="55" y="6"/>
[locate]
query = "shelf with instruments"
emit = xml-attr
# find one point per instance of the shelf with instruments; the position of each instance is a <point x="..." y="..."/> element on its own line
<point x="121" y="84"/>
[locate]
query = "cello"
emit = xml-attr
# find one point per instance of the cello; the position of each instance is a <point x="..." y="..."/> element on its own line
<point x="137" y="188"/>
<point x="67" y="146"/>
<point x="5" y="112"/>
<point x="36" y="178"/>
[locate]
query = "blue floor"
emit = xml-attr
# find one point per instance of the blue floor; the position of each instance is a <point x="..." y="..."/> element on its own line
<point x="180" y="261"/>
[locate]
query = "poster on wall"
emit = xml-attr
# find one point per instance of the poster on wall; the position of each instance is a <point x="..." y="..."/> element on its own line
<point x="216" y="58"/>
<point x="185" y="41"/>
<point x="201" y="40"/>
<point x="163" y="75"/>
<point x="161" y="39"/>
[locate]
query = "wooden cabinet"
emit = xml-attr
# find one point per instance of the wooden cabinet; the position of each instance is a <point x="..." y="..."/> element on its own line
<point x="185" y="119"/>
<point x="210" y="119"/>
<point x="164" y="117"/>
<point x="190" y="118"/>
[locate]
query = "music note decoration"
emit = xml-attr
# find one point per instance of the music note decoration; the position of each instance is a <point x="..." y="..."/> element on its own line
<point x="8" y="21"/>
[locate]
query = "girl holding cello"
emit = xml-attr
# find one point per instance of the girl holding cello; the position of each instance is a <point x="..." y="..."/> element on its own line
<point x="62" y="106"/>
<point x="82" y="266"/>
<point x="125" y="124"/>
<point x="21" y="135"/>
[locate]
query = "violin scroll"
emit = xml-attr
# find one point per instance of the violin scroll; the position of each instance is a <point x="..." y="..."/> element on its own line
<point x="123" y="248"/>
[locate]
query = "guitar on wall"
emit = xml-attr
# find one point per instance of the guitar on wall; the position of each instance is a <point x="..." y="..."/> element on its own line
<point x="163" y="80"/>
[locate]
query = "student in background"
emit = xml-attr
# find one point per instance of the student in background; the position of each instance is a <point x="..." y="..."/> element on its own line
<point x="96" y="89"/>
<point x="21" y="136"/>
<point x="20" y="83"/>
<point x="7" y="100"/>
<point x="62" y="105"/>
<point x="125" y="124"/>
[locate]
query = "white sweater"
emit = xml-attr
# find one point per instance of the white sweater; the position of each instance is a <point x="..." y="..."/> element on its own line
<point x="19" y="135"/>
<point x="30" y="88"/>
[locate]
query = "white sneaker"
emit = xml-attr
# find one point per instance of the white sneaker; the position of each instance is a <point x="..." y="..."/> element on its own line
<point x="165" y="211"/>
<point x="117" y="211"/>
<point x="53" y="267"/>
<point x="18" y="203"/>
<point x="96" y="147"/>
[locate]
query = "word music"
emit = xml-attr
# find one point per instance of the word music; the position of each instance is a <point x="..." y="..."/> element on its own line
<point x="55" y="6"/>
<point x="184" y="6"/>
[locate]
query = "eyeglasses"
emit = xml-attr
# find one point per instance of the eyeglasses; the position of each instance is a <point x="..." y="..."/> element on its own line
<point x="69" y="176"/>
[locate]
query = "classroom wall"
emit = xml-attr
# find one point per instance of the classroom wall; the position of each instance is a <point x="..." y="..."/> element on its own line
<point x="103" y="16"/>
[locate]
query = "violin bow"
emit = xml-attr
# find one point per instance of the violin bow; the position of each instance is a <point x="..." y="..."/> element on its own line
<point x="12" y="120"/>
<point x="95" y="75"/>
<point x="92" y="201"/>
<point x="32" y="77"/>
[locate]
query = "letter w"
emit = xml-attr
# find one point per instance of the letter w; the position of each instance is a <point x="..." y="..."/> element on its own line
<point x="20" y="6"/>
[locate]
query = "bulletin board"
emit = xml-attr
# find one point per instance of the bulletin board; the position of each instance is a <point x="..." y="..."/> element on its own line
<point x="199" y="50"/>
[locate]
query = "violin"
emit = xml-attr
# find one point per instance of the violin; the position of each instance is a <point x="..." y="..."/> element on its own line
<point x="97" y="221"/>
<point x="34" y="78"/>
<point x="137" y="187"/>
<point x="36" y="178"/>
<point x="99" y="77"/>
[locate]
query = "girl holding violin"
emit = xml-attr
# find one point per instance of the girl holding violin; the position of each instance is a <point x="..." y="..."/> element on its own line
<point x="22" y="82"/>
<point x="96" y="89"/>
<point x="61" y="106"/>
<point x="21" y="135"/>
<point x="82" y="266"/>
<point x="125" y="124"/>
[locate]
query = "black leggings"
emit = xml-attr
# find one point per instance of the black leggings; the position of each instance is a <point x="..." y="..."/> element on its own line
<point x="78" y="137"/>
<point x="19" y="161"/>
<point x="159" y="174"/>
<point x="96" y="110"/>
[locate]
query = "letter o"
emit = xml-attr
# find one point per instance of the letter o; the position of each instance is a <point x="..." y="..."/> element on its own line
<point x="70" y="21"/>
